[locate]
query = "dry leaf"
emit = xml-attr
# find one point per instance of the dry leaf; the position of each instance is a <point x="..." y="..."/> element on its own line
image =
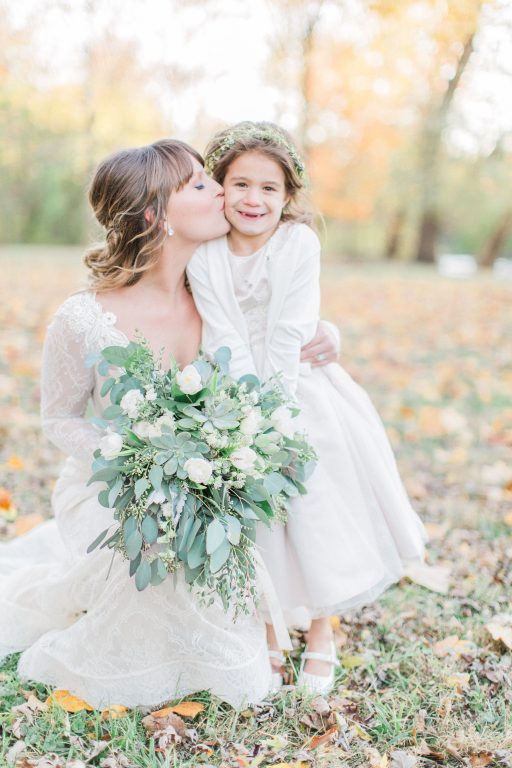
<point x="321" y="706"/>
<point x="459" y="680"/>
<point x="65" y="700"/>
<point x="401" y="759"/>
<point x="187" y="709"/>
<point x="500" y="628"/>
<point x="25" y="523"/>
<point x="433" y="577"/>
<point x="453" y="646"/>
<point x="14" y="463"/>
<point x="481" y="759"/>
<point x="114" y="712"/>
<point x="424" y="750"/>
<point x="323" y="738"/>
<point x="159" y="722"/>
<point x="14" y="752"/>
<point x="375" y="759"/>
<point x="350" y="662"/>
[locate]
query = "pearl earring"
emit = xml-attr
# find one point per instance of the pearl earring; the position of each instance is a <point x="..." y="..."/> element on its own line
<point x="170" y="231"/>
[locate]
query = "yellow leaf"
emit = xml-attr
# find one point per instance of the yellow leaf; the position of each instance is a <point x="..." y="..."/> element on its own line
<point x="25" y="523"/>
<point x="65" y="700"/>
<point x="453" y="646"/>
<point x="350" y="662"/>
<point x="185" y="709"/>
<point x="335" y="622"/>
<point x="15" y="463"/>
<point x="114" y="712"/>
<point x="459" y="681"/>
<point x="5" y="499"/>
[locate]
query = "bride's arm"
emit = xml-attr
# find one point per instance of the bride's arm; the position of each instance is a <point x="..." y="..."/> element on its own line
<point x="66" y="386"/>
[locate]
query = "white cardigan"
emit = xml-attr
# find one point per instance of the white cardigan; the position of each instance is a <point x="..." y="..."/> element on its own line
<point x="293" y="254"/>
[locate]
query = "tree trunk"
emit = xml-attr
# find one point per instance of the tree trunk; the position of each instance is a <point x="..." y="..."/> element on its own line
<point x="430" y="149"/>
<point x="394" y="239"/>
<point x="495" y="243"/>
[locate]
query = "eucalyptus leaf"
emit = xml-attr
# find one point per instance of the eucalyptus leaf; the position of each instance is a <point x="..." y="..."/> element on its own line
<point x="106" y="386"/>
<point x="171" y="466"/>
<point x="112" y="412"/>
<point x="156" y="575"/>
<point x="141" y="485"/>
<point x="149" y="529"/>
<point x="155" y="476"/>
<point x="143" y="575"/>
<point x="97" y="541"/>
<point x="103" y="498"/>
<point x="215" y="535"/>
<point x="197" y="553"/>
<point x="109" y="473"/>
<point x="133" y="544"/>
<point x="129" y="525"/>
<point x="220" y="556"/>
<point x="234" y="529"/>
<point x="134" y="564"/>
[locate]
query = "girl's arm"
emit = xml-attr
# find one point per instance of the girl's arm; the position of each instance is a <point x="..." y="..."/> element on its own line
<point x="298" y="317"/>
<point x="66" y="386"/>
<point x="219" y="329"/>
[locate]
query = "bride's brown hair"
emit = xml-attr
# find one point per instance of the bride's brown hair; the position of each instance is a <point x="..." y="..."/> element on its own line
<point x="125" y="185"/>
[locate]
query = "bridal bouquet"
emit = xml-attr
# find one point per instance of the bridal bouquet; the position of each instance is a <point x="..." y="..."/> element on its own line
<point x="191" y="461"/>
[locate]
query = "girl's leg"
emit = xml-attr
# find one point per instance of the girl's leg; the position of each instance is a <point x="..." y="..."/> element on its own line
<point x="320" y="637"/>
<point x="273" y="645"/>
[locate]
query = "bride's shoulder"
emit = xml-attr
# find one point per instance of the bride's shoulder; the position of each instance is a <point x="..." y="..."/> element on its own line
<point x="78" y="312"/>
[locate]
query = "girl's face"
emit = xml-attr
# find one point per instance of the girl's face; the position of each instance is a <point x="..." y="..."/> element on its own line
<point x="255" y="195"/>
<point x="196" y="212"/>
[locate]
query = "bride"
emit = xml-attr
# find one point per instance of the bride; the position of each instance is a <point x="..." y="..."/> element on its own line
<point x="79" y="630"/>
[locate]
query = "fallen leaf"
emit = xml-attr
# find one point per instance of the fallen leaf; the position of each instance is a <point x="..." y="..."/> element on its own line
<point x="14" y="463"/>
<point x="159" y="722"/>
<point x="400" y="759"/>
<point x="453" y="646"/>
<point x="65" y="700"/>
<point x="500" y="629"/>
<point x="15" y="752"/>
<point x="458" y="680"/>
<point x="433" y="577"/>
<point x="321" y="706"/>
<point x="25" y="523"/>
<point x="351" y="662"/>
<point x="188" y="709"/>
<point x="323" y="738"/>
<point x="375" y="759"/>
<point x="114" y="712"/>
<point x="481" y="759"/>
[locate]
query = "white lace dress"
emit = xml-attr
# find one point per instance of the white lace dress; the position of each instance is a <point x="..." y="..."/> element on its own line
<point x="79" y="630"/>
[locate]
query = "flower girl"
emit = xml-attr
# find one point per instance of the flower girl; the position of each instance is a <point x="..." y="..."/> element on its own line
<point x="257" y="290"/>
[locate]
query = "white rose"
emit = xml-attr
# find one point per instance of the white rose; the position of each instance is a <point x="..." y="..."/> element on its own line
<point x="116" y="372"/>
<point x="282" y="421"/>
<point x="111" y="445"/>
<point x="166" y="420"/>
<point x="198" y="470"/>
<point x="150" y="394"/>
<point x="251" y="423"/>
<point x="166" y="509"/>
<point x="189" y="380"/>
<point x="156" y="497"/>
<point x="244" y="459"/>
<point x="131" y="402"/>
<point x="145" y="430"/>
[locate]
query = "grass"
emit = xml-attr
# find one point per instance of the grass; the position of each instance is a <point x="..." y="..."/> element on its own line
<point x="435" y="357"/>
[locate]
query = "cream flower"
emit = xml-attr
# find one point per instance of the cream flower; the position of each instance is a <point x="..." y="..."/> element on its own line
<point x="189" y="380"/>
<point x="282" y="421"/>
<point x="198" y="470"/>
<point x="111" y="445"/>
<point x="131" y="402"/>
<point x="251" y="423"/>
<point x="244" y="459"/>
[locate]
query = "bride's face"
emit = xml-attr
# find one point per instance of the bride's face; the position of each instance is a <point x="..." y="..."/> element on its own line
<point x="196" y="212"/>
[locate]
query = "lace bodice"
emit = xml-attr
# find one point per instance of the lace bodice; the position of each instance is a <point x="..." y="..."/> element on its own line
<point x="80" y="327"/>
<point x="253" y="292"/>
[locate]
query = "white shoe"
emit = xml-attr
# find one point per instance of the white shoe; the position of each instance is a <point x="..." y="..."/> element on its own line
<point x="277" y="678"/>
<point x="317" y="684"/>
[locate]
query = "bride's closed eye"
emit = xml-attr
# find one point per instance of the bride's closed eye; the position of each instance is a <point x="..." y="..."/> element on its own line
<point x="199" y="186"/>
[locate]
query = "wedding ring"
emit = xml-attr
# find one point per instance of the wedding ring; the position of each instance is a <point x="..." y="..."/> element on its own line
<point x="321" y="356"/>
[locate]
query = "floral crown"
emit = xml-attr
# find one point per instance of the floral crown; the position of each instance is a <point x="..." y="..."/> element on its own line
<point x="269" y="135"/>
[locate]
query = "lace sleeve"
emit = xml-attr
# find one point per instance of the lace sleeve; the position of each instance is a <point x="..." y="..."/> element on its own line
<point x="66" y="386"/>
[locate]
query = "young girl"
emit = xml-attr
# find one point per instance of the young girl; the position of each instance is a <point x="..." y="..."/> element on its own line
<point x="257" y="290"/>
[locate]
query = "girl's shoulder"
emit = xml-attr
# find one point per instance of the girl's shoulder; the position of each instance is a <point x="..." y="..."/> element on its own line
<point x="299" y="235"/>
<point x="80" y="312"/>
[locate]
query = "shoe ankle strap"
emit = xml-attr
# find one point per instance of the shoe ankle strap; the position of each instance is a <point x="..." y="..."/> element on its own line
<point x="314" y="655"/>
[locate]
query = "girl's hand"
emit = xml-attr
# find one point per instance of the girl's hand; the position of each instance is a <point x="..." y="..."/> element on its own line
<point x="324" y="347"/>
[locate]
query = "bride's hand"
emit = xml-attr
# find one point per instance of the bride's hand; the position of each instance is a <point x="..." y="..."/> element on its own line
<point x="324" y="347"/>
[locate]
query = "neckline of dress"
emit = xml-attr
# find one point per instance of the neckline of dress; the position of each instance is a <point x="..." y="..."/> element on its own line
<point x="108" y="317"/>
<point x="265" y="248"/>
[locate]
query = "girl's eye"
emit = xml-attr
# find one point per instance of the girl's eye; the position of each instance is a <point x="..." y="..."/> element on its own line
<point x="199" y="186"/>
<point x="269" y="189"/>
<point x="240" y="184"/>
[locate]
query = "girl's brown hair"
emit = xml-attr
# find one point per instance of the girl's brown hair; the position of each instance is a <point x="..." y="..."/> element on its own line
<point x="272" y="141"/>
<point x="124" y="186"/>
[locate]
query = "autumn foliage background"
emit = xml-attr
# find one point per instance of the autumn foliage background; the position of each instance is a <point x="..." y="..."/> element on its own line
<point x="400" y="111"/>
